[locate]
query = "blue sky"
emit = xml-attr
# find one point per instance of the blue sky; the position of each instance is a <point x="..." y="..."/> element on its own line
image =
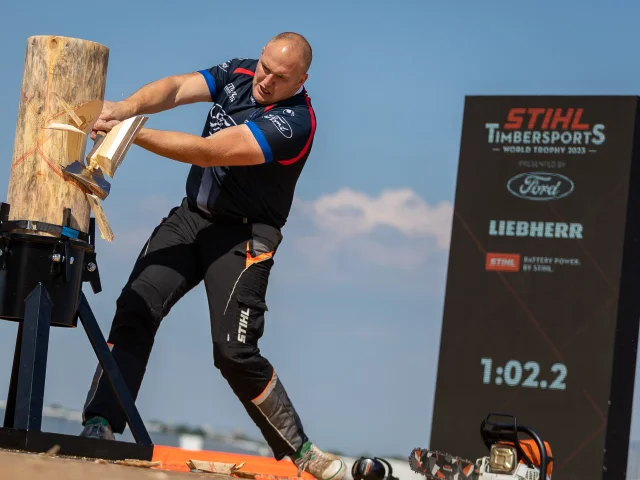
<point x="356" y="294"/>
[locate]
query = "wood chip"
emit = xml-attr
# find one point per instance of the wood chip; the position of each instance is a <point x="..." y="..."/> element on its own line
<point x="101" y="218"/>
<point x="72" y="115"/>
<point x="138" y="463"/>
<point x="214" y="467"/>
<point x="248" y="475"/>
<point x="64" y="126"/>
<point x="52" y="452"/>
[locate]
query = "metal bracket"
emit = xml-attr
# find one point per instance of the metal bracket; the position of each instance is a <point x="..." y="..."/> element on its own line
<point x="91" y="273"/>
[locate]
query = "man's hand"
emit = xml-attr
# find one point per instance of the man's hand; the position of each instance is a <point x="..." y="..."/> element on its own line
<point x="112" y="114"/>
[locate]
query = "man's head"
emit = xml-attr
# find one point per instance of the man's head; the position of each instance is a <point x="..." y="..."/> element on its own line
<point x="282" y="68"/>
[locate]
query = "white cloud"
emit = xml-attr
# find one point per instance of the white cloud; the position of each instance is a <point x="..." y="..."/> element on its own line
<point x="395" y="228"/>
<point x="348" y="213"/>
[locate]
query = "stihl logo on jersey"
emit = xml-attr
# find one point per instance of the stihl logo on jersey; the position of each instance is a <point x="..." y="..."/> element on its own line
<point x="243" y="324"/>
<point x="546" y="126"/>
<point x="231" y="91"/>
<point x="503" y="262"/>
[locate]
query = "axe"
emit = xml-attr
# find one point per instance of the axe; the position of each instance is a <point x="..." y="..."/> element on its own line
<point x="90" y="176"/>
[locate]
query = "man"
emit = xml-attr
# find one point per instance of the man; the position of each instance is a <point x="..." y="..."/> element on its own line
<point x="256" y="140"/>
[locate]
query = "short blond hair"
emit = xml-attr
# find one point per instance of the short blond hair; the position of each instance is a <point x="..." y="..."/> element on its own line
<point x="300" y="43"/>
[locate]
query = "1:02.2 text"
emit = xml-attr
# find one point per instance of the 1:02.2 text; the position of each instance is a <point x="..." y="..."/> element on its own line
<point x="515" y="374"/>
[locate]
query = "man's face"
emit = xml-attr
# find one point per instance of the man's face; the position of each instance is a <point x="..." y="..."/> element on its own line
<point x="279" y="74"/>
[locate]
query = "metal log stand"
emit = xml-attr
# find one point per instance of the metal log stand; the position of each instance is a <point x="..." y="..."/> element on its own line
<point x="41" y="281"/>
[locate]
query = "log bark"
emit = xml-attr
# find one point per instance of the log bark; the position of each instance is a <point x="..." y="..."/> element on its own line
<point x="63" y="82"/>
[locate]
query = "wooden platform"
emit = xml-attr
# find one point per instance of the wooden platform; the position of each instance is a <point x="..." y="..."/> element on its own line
<point x="31" y="466"/>
<point x="21" y="464"/>
<point x="171" y="458"/>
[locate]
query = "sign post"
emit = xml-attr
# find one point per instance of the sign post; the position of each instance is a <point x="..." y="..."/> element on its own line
<point x="543" y="289"/>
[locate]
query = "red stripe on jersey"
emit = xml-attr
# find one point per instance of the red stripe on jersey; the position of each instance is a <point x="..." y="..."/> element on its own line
<point x="244" y="70"/>
<point x="306" y="147"/>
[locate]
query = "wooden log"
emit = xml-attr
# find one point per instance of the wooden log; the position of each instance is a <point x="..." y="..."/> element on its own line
<point x="63" y="83"/>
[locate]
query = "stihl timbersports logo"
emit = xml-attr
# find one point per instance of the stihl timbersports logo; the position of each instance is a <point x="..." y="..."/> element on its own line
<point x="545" y="130"/>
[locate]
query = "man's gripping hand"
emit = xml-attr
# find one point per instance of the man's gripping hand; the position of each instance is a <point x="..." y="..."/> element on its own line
<point x="112" y="114"/>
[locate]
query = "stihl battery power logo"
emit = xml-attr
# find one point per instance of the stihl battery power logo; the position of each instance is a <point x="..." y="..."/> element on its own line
<point x="546" y="130"/>
<point x="503" y="262"/>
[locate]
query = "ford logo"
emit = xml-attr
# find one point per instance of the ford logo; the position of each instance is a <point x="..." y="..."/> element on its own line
<point x="540" y="186"/>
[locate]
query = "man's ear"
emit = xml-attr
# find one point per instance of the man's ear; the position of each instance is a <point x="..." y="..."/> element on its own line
<point x="303" y="78"/>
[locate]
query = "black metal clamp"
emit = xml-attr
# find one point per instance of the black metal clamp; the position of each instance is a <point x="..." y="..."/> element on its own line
<point x="23" y="413"/>
<point x="60" y="256"/>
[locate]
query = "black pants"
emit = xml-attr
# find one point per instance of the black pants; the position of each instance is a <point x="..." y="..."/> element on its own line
<point x="234" y="260"/>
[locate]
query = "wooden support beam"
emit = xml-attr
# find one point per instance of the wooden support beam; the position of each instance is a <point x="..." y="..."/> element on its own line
<point x="63" y="83"/>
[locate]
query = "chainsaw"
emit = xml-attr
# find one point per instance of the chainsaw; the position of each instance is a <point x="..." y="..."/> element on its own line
<point x="510" y="457"/>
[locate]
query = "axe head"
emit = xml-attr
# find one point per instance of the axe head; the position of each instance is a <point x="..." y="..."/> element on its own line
<point x="92" y="180"/>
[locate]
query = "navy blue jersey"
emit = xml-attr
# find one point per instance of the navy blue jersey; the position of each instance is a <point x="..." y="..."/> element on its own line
<point x="285" y="131"/>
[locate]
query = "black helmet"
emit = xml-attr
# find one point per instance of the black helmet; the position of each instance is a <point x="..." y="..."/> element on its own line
<point x="371" y="469"/>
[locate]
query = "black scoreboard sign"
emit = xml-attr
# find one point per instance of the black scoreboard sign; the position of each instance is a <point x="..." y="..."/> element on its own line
<point x="543" y="287"/>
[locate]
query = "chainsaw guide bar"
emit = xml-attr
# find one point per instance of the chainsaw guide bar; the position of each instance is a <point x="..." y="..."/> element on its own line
<point x="439" y="465"/>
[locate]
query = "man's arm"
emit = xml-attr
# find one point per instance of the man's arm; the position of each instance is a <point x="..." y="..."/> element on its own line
<point x="157" y="96"/>
<point x="231" y="146"/>
<point x="282" y="135"/>
<point x="167" y="93"/>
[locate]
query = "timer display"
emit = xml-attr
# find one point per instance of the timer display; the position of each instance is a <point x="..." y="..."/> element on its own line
<point x="516" y="374"/>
